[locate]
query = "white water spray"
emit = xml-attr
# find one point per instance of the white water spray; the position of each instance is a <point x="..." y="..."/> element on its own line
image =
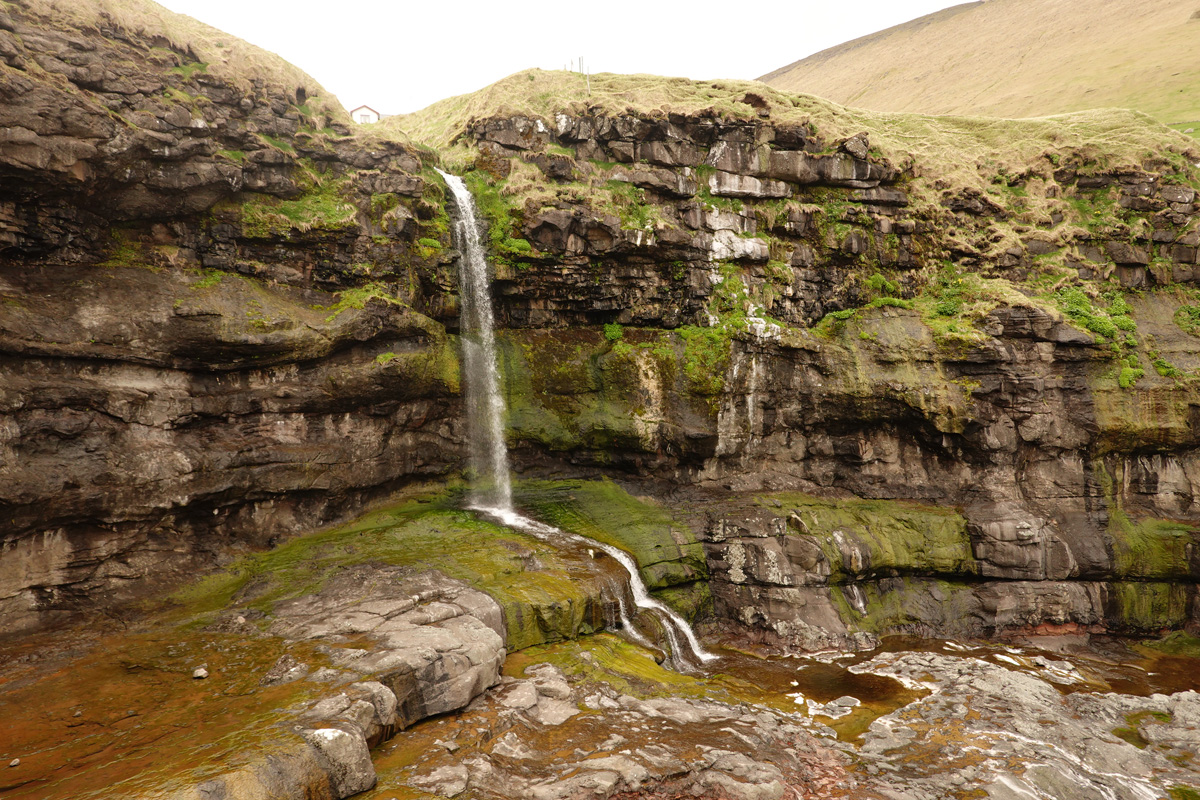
<point x="485" y="428"/>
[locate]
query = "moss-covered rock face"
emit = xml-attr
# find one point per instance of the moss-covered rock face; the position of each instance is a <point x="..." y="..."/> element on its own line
<point x="865" y="538"/>
<point x="816" y="572"/>
<point x="609" y="401"/>
<point x="751" y="289"/>
<point x="547" y="595"/>
<point x="670" y="556"/>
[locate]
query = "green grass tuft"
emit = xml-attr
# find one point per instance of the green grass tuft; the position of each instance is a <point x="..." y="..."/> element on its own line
<point x="706" y="356"/>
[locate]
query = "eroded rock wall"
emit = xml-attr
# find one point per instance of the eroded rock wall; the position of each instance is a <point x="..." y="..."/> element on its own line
<point x="217" y="307"/>
<point x="793" y="320"/>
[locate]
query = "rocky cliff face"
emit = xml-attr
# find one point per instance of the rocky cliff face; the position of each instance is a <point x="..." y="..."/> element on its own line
<point x="197" y="345"/>
<point x="805" y="315"/>
<point x="989" y="327"/>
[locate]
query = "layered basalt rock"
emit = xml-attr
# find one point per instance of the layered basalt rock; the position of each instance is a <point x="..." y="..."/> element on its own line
<point x="210" y="306"/>
<point x="786" y="331"/>
<point x="139" y="446"/>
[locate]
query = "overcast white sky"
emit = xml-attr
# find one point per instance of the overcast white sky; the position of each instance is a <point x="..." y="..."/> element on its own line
<point x="402" y="55"/>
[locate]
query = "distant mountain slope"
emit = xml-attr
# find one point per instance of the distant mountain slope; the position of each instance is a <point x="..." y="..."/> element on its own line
<point x="1019" y="58"/>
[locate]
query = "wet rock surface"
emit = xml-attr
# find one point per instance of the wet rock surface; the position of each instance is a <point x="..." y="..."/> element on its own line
<point x="1015" y="733"/>
<point x="595" y="741"/>
<point x="986" y="721"/>
<point x="386" y="680"/>
<point x="372" y="652"/>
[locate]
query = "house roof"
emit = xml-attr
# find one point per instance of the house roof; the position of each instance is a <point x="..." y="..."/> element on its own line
<point x="368" y="108"/>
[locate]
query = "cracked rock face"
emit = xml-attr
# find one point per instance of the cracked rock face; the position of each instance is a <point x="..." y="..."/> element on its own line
<point x="987" y="721"/>
<point x="436" y="644"/>
<point x="1015" y="734"/>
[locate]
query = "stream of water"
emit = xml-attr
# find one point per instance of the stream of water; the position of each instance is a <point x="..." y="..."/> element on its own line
<point x="491" y="492"/>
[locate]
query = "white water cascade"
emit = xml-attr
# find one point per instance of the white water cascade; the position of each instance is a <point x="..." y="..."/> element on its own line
<point x="492" y="492"/>
<point x="481" y="377"/>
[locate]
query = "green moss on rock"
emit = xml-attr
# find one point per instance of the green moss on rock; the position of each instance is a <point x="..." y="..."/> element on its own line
<point x="1151" y="548"/>
<point x="693" y="600"/>
<point x="666" y="551"/>
<point x="570" y="390"/>
<point x="632" y="670"/>
<point x="904" y="604"/>
<point x="543" y="600"/>
<point x="880" y="537"/>
<point x="1177" y="643"/>
<point x="1144" y="606"/>
<point x="321" y="206"/>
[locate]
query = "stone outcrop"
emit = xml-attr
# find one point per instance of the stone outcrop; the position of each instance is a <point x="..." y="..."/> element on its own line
<point x="1014" y="712"/>
<point x="180" y="378"/>
<point x="635" y="747"/>
<point x="432" y="645"/>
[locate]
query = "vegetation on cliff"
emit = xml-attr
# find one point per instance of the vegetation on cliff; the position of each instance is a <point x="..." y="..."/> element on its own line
<point x="963" y="150"/>
<point x="954" y="217"/>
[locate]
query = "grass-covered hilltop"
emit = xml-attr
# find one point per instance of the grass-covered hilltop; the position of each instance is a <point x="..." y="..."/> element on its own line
<point x="990" y="190"/>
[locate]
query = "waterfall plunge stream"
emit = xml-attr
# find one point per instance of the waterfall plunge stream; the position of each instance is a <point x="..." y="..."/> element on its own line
<point x="491" y="494"/>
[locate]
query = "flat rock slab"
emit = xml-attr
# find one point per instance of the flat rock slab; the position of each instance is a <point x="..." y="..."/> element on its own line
<point x="424" y="645"/>
<point x="1017" y="735"/>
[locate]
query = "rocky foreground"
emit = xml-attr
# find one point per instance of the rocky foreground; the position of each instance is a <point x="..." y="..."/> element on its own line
<point x="353" y="662"/>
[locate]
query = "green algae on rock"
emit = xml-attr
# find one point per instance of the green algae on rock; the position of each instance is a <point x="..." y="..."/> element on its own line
<point x="545" y="595"/>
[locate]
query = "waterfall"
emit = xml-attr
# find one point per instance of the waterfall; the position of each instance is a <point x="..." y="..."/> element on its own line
<point x="492" y="486"/>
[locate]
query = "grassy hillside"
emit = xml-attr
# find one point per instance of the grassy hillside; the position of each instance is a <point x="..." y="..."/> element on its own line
<point x="1019" y="58"/>
<point x="960" y="150"/>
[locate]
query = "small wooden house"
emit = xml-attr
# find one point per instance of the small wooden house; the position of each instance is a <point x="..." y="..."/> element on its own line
<point x="365" y="115"/>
